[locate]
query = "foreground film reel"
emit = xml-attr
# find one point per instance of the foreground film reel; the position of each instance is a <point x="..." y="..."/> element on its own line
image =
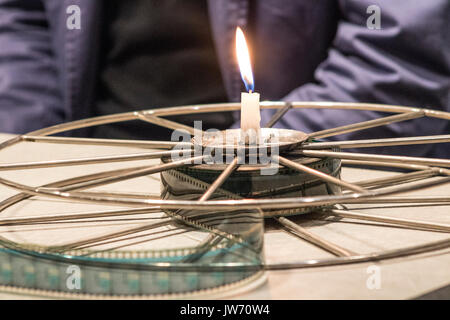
<point x="204" y="234"/>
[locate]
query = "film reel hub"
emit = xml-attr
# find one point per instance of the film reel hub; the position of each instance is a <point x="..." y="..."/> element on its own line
<point x="233" y="140"/>
<point x="189" y="183"/>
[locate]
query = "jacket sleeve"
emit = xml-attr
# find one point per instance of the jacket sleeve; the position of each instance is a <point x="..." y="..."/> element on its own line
<point x="30" y="97"/>
<point x="406" y="62"/>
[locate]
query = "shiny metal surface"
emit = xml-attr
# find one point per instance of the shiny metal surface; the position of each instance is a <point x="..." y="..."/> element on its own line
<point x="231" y="140"/>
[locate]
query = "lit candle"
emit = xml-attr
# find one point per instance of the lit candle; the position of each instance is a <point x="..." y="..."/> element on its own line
<point x="250" y="114"/>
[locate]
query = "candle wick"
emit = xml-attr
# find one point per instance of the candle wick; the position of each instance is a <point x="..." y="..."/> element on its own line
<point x="250" y="91"/>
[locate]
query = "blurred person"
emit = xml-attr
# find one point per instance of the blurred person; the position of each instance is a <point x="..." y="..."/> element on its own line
<point x="141" y="54"/>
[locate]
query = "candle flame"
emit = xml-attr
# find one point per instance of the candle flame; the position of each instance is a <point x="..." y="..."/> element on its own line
<point x="243" y="58"/>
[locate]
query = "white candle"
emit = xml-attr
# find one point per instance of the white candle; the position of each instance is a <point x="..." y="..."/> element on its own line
<point x="250" y="114"/>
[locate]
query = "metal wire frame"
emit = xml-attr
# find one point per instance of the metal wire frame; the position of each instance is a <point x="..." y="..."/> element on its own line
<point x="379" y="189"/>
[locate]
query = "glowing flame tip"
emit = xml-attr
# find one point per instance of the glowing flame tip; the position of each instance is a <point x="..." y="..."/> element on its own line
<point x="243" y="57"/>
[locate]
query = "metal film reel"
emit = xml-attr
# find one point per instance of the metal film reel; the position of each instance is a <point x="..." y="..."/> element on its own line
<point x="206" y="229"/>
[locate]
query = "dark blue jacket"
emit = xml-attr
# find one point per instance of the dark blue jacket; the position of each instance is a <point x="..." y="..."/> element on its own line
<point x="310" y="50"/>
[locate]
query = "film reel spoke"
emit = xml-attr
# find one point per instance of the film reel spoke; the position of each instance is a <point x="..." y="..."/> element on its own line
<point x="370" y="143"/>
<point x="398" y="178"/>
<point x="127" y="195"/>
<point x="96" y="240"/>
<point x="367" y="124"/>
<point x="278" y="115"/>
<point x="220" y="180"/>
<point x="155" y="235"/>
<point x="137" y="242"/>
<point x="319" y="174"/>
<point x="376" y="157"/>
<point x="83" y="161"/>
<point x="166" y="123"/>
<point x="414" y="224"/>
<point x="390" y="190"/>
<point x="415" y="200"/>
<point x="144" y="144"/>
<point x="376" y="164"/>
<point x="139" y="172"/>
<point x="64" y="183"/>
<point x="206" y="245"/>
<point x="310" y="237"/>
<point x="77" y="216"/>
